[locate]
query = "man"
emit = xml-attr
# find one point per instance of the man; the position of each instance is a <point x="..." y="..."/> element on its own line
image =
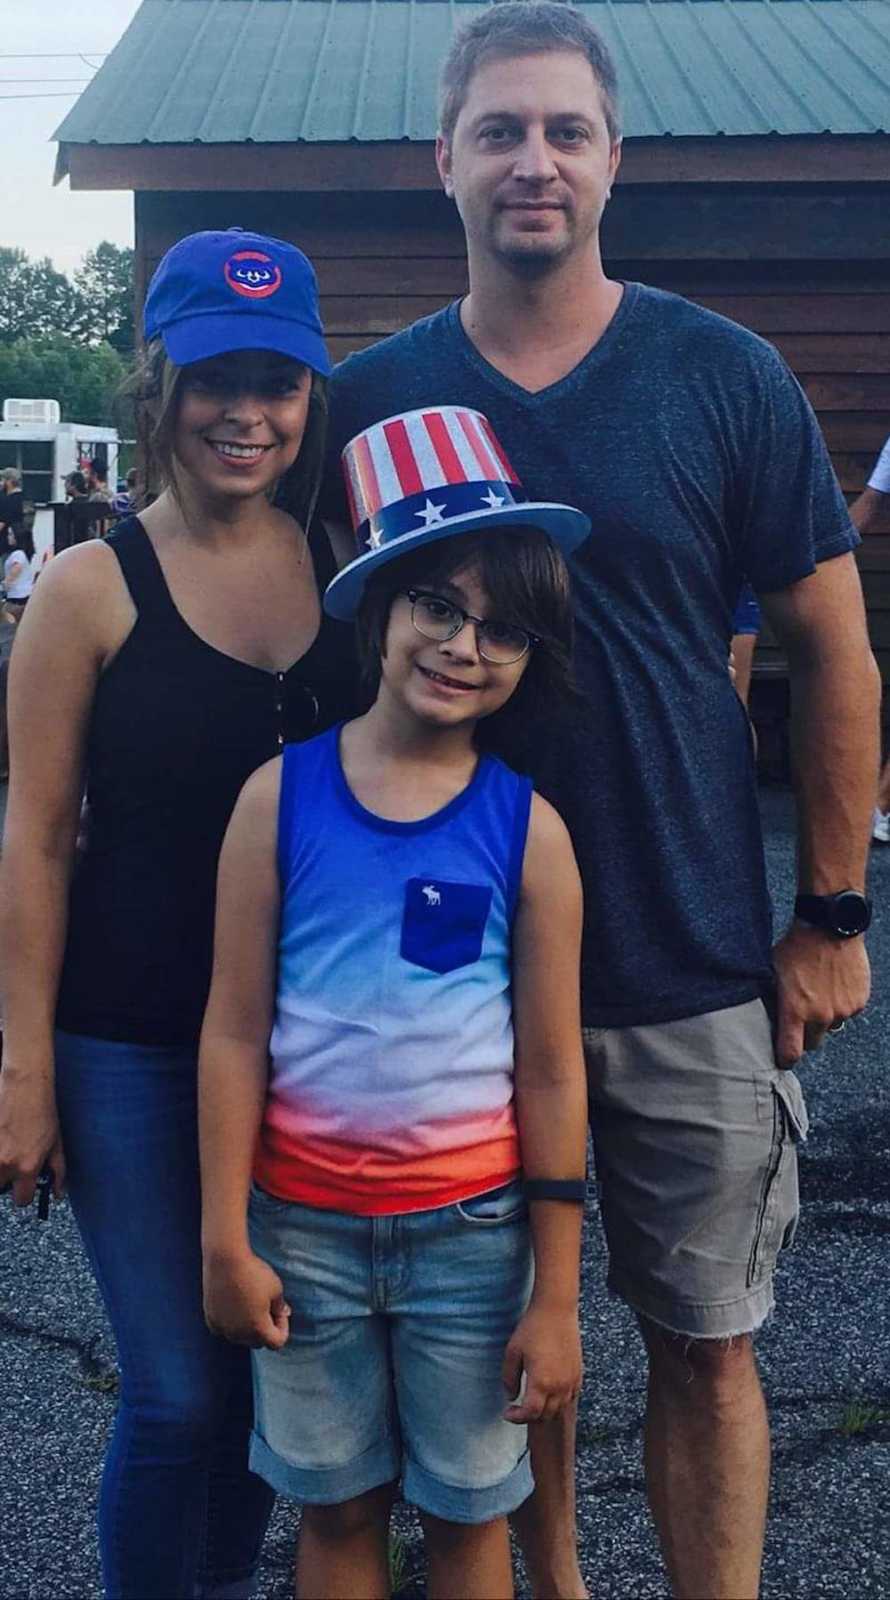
<point x="97" y="489"/>
<point x="84" y="511"/>
<point x="693" y="451"/>
<point x="12" y="505"/>
<point x="869" y="510"/>
<point x="124" y="502"/>
<point x="96" y="477"/>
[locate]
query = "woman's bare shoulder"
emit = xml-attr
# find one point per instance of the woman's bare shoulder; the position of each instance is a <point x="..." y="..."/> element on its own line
<point x="84" y="586"/>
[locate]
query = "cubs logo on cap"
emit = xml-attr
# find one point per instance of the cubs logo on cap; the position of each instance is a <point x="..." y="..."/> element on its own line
<point x="429" y="475"/>
<point x="251" y="273"/>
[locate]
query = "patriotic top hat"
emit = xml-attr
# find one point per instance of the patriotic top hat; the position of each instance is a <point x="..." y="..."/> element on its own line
<point x="429" y="475"/>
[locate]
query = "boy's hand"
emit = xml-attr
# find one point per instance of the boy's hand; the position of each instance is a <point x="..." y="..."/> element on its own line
<point x="244" y="1302"/>
<point x="546" y="1346"/>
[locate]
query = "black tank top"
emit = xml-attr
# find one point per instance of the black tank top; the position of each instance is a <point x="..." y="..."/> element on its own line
<point x="177" y="727"/>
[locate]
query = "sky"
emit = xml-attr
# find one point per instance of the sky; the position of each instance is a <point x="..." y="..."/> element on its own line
<point x="34" y="38"/>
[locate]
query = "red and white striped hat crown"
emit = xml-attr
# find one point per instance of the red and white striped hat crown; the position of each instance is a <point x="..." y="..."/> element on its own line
<point x="429" y="475"/>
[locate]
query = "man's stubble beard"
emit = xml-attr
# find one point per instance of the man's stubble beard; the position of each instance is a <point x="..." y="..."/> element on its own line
<point x="533" y="258"/>
<point x="536" y="258"/>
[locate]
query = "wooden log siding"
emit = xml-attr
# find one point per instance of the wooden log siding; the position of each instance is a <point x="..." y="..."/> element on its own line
<point x="382" y="261"/>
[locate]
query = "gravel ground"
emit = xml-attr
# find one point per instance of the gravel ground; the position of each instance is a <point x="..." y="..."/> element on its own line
<point x="824" y="1359"/>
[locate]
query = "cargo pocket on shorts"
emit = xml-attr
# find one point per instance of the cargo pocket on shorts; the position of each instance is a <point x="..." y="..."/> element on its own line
<point x="443" y="924"/>
<point x="779" y="1208"/>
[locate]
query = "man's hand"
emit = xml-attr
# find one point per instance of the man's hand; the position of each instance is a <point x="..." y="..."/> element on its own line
<point x="546" y="1347"/>
<point x="821" y="982"/>
<point x="244" y="1301"/>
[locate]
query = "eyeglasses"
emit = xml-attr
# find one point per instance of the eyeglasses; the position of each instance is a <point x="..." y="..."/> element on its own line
<point x="498" y="642"/>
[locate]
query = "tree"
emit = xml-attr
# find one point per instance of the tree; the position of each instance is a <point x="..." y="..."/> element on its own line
<point x="37" y="301"/>
<point x="105" y="285"/>
<point x="82" y="378"/>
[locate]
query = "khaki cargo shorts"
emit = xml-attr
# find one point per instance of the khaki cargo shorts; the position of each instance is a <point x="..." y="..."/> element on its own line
<point x="695" y="1132"/>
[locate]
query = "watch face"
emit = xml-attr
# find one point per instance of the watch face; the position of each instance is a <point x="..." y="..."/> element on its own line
<point x="851" y="914"/>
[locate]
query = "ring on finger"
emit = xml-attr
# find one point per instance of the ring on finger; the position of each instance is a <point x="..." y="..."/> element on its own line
<point x="838" y="1026"/>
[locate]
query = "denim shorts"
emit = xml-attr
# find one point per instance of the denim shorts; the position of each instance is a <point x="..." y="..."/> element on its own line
<point x="695" y="1133"/>
<point x="393" y="1365"/>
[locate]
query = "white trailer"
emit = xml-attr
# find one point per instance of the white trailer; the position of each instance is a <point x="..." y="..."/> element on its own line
<point x="45" y="450"/>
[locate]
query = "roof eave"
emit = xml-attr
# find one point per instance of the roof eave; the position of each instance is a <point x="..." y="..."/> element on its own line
<point x="402" y="165"/>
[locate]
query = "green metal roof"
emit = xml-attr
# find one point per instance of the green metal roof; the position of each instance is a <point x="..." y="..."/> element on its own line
<point x="273" y="71"/>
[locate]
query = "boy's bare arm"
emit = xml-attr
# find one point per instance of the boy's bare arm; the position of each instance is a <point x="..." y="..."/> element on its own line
<point x="233" y="1062"/>
<point x="551" y="1104"/>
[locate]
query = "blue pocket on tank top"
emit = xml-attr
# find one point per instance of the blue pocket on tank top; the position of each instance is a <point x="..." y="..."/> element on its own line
<point x="443" y="923"/>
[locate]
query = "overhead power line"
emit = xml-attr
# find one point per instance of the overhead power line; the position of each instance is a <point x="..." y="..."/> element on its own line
<point x="70" y="94"/>
<point x="49" y="55"/>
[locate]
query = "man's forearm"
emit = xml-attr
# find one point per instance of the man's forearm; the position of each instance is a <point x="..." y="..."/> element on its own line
<point x="869" y="510"/>
<point x="836" y="750"/>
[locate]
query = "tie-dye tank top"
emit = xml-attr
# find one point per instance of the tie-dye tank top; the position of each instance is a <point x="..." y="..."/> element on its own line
<point x="391" y="1057"/>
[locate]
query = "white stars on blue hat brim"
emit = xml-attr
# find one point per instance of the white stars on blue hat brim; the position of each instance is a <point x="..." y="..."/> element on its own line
<point x="431" y="515"/>
<point x="567" y="528"/>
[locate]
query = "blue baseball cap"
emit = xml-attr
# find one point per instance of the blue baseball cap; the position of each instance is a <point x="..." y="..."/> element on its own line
<point x="216" y="292"/>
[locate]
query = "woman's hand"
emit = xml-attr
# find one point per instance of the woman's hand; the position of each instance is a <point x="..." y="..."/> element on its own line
<point x="29" y="1134"/>
<point x="546" y="1347"/>
<point x="244" y="1301"/>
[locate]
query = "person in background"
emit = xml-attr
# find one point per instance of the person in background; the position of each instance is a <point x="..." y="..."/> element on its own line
<point x="97" y="482"/>
<point x="869" y="511"/>
<point x="99" y="495"/>
<point x="86" y="515"/>
<point x="746" y="624"/>
<point x="692" y="449"/>
<point x="166" y="663"/>
<point x="7" y="636"/>
<point x="18" y="578"/>
<point x="125" y="500"/>
<point x="17" y="551"/>
<point x="12" y="504"/>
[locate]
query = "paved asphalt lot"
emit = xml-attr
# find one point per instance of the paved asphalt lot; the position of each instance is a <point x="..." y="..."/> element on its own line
<point x="824" y="1358"/>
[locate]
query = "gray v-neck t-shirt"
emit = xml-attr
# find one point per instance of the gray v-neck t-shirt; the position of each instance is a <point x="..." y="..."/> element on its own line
<point x="691" y="447"/>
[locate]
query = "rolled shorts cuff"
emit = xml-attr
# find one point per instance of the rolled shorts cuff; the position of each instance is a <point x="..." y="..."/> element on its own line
<point x="452" y="1503"/>
<point x="326" y="1486"/>
<point x="727" y="1320"/>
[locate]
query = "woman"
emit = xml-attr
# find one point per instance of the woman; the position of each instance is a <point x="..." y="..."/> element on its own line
<point x="18" y="580"/>
<point x="166" y="664"/>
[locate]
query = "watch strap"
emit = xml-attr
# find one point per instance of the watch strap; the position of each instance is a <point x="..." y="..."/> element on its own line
<point x="827" y="911"/>
<point x="572" y="1190"/>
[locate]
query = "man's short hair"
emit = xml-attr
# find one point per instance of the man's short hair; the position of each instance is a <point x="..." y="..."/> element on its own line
<point x="523" y="28"/>
<point x="11" y="475"/>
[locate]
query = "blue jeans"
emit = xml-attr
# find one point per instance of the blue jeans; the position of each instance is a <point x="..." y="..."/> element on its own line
<point x="180" y="1515"/>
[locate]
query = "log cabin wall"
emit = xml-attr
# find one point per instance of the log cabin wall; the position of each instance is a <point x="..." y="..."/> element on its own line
<point x="808" y="267"/>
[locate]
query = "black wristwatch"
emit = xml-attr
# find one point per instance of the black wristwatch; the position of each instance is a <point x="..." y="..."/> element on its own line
<point x="843" y="915"/>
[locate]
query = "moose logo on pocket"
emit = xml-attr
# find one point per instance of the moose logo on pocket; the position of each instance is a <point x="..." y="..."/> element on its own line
<point x="443" y="923"/>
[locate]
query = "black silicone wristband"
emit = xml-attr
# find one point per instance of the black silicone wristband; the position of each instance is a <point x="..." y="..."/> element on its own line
<point x="572" y="1190"/>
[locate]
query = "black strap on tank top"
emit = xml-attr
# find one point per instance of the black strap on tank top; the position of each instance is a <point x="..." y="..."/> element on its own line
<point x="142" y="570"/>
<point x="322" y="554"/>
